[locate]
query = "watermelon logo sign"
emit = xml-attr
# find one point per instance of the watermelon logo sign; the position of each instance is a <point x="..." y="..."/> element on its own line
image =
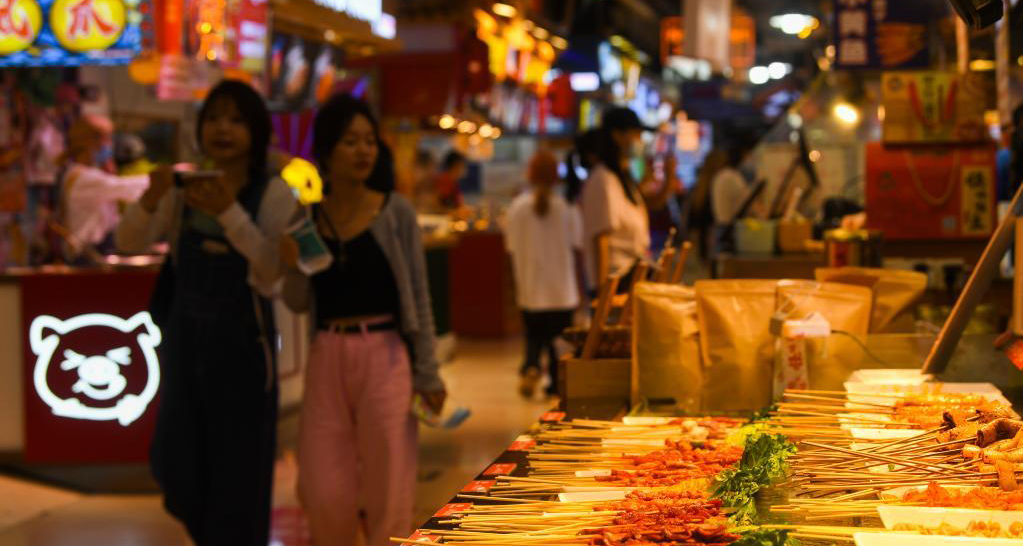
<point x="96" y="387"/>
<point x="20" y="23"/>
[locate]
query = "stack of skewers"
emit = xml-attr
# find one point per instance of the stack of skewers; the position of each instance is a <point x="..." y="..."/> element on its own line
<point x="933" y="464"/>
<point x="874" y="468"/>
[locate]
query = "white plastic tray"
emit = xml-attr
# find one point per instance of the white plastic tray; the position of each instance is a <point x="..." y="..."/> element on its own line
<point x="861" y="392"/>
<point x="592" y="496"/>
<point x="883" y="434"/>
<point x="898" y="539"/>
<point x="891" y="377"/>
<point x="961" y="518"/>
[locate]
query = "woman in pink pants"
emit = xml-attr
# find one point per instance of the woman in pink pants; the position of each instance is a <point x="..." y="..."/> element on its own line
<point x="374" y="345"/>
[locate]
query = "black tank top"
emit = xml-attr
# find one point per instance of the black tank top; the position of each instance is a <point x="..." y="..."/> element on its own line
<point x="359" y="282"/>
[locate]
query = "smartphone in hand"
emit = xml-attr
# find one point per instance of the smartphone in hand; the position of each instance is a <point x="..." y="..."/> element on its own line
<point x="183" y="179"/>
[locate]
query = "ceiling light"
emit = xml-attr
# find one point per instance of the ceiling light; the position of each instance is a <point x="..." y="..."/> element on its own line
<point x="541" y="33"/>
<point x="759" y="75"/>
<point x="778" y="71"/>
<point x="793" y="23"/>
<point x="486" y="130"/>
<point x="982" y="65"/>
<point x="505" y="10"/>
<point x="846" y="113"/>
<point x="447" y="121"/>
<point x="467" y="127"/>
<point x="584" y="82"/>
<point x="561" y="43"/>
<point x="496" y="133"/>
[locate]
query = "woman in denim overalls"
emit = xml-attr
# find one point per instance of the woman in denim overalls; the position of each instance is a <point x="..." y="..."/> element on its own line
<point x="213" y="450"/>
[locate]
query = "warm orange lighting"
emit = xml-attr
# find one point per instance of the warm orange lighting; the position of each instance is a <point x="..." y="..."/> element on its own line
<point x="505" y="10"/>
<point x="546" y="51"/>
<point x="486" y="24"/>
<point x="561" y="43"/>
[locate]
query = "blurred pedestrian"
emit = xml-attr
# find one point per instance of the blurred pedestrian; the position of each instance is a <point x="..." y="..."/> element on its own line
<point x="544" y="237"/>
<point x="616" y="225"/>
<point x="583" y="157"/>
<point x="90" y="194"/>
<point x="729" y="190"/>
<point x="453" y="170"/>
<point x="213" y="449"/>
<point x="374" y="344"/>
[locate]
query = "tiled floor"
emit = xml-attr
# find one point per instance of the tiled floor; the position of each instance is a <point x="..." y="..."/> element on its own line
<point x="483" y="377"/>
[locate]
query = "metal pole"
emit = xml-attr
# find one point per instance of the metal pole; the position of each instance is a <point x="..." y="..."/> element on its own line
<point x="980" y="280"/>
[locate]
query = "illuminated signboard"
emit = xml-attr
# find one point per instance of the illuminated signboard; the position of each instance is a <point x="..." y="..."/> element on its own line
<point x="69" y="32"/>
<point x="367" y="10"/>
<point x="91" y="371"/>
<point x="100" y="390"/>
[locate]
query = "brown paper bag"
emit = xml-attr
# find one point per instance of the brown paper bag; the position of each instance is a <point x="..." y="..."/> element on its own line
<point x="847" y="309"/>
<point x="665" y="348"/>
<point x="737" y="347"/>
<point x="793" y="235"/>
<point x="896" y="293"/>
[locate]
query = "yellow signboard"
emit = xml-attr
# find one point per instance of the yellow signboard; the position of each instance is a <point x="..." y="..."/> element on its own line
<point x="87" y="25"/>
<point x="20" y="23"/>
<point x="933" y="107"/>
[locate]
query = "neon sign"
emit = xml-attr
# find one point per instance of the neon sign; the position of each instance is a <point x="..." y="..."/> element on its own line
<point x="69" y="32"/>
<point x="100" y="392"/>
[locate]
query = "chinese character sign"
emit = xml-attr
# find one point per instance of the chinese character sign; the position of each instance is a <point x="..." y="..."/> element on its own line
<point x="881" y="33"/>
<point x="934" y="107"/>
<point x="69" y="32"/>
<point x="931" y="192"/>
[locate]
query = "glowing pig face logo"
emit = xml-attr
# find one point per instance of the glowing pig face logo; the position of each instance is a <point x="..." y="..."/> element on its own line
<point x="99" y="383"/>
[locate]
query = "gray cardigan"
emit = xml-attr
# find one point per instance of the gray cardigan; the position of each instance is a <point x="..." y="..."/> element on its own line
<point x="396" y="230"/>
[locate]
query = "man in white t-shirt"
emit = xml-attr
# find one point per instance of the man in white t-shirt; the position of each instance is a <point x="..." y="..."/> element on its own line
<point x="543" y="234"/>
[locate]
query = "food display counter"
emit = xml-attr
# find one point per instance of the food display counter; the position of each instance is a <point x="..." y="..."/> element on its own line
<point x="909" y="464"/>
<point x="482" y="287"/>
<point x="81" y="368"/>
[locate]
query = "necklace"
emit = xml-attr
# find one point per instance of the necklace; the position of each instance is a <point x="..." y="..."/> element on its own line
<point x="338" y="228"/>
<point x="927" y="196"/>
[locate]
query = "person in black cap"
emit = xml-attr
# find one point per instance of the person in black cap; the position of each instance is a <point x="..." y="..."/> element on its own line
<point x="616" y="225"/>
